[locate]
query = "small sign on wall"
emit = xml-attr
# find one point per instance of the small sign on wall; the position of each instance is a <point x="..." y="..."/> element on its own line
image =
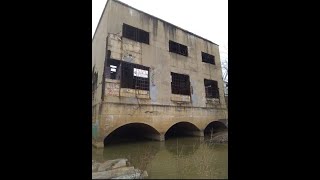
<point x="140" y="73"/>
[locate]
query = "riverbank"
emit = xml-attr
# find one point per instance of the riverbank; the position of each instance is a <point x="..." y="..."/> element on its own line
<point x="116" y="169"/>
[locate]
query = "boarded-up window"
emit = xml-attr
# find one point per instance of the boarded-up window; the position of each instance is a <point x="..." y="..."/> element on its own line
<point x="211" y="88"/>
<point x="135" y="34"/>
<point x="178" y="48"/>
<point x="180" y="84"/>
<point x="208" y="58"/>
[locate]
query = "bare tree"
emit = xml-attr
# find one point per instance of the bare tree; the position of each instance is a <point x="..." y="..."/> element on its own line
<point x="224" y="66"/>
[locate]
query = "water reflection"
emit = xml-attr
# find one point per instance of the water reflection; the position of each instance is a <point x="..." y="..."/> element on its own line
<point x="182" y="146"/>
<point x="175" y="158"/>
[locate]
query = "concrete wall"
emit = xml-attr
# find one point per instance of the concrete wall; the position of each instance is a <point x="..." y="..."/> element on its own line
<point x="226" y="98"/>
<point x="98" y="59"/>
<point x="157" y="107"/>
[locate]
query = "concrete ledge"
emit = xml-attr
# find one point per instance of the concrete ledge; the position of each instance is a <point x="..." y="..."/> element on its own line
<point x="180" y="98"/>
<point x="113" y="81"/>
<point x="115" y="101"/>
<point x="141" y="94"/>
<point x="212" y="100"/>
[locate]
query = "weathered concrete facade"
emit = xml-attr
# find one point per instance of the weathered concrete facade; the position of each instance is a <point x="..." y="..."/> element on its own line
<point x="113" y="106"/>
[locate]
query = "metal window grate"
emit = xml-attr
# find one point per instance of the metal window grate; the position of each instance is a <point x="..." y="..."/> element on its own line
<point x="208" y="58"/>
<point x="178" y="48"/>
<point x="134" y="80"/>
<point x="133" y="76"/>
<point x="180" y="84"/>
<point x="211" y="88"/>
<point x="135" y="34"/>
<point x="141" y="83"/>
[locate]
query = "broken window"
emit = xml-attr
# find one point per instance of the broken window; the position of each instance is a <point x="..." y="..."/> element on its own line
<point x="180" y="84"/>
<point x="178" y="48"/>
<point x="113" y="69"/>
<point x="211" y="87"/>
<point x="208" y="58"/>
<point x="135" y="34"/>
<point x="134" y="76"/>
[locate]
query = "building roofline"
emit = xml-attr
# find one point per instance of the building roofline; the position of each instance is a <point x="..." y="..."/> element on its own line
<point x="104" y="9"/>
<point x="152" y="17"/>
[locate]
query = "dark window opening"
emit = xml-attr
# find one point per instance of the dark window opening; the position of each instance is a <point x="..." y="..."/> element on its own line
<point x="178" y="48"/>
<point x="135" y="34"/>
<point x="208" y="58"/>
<point x="113" y="69"/>
<point x="134" y="76"/>
<point x="180" y="84"/>
<point x="211" y="87"/>
<point x="94" y="80"/>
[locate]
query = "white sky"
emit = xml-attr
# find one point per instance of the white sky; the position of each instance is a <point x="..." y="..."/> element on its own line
<point x="206" y="18"/>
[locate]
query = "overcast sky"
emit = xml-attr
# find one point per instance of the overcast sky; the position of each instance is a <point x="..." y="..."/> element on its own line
<point x="206" y="18"/>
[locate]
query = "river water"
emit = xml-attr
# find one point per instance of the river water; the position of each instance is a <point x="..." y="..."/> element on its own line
<point x="175" y="158"/>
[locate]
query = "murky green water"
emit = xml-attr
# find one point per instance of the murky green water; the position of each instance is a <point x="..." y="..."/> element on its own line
<point x="175" y="158"/>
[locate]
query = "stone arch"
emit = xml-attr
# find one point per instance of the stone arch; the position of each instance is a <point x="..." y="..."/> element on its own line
<point x="132" y="130"/>
<point x="182" y="128"/>
<point x="224" y="121"/>
<point x="215" y="126"/>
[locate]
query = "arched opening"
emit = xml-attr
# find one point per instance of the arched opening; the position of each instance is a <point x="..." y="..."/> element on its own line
<point x="214" y="128"/>
<point x="182" y="129"/>
<point x="131" y="133"/>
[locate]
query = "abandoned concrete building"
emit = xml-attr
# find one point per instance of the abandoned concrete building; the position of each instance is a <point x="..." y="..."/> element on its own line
<point x="151" y="77"/>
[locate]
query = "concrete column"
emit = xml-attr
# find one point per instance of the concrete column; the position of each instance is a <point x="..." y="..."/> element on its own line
<point x="99" y="152"/>
<point x="98" y="144"/>
<point x="162" y="138"/>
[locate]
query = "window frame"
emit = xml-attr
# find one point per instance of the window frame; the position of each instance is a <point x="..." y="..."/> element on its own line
<point x="125" y="73"/>
<point x="208" y="58"/>
<point x="111" y="74"/>
<point x="135" y="34"/>
<point x="178" y="48"/>
<point x="180" y="84"/>
<point x="214" y="89"/>
<point x="128" y="80"/>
